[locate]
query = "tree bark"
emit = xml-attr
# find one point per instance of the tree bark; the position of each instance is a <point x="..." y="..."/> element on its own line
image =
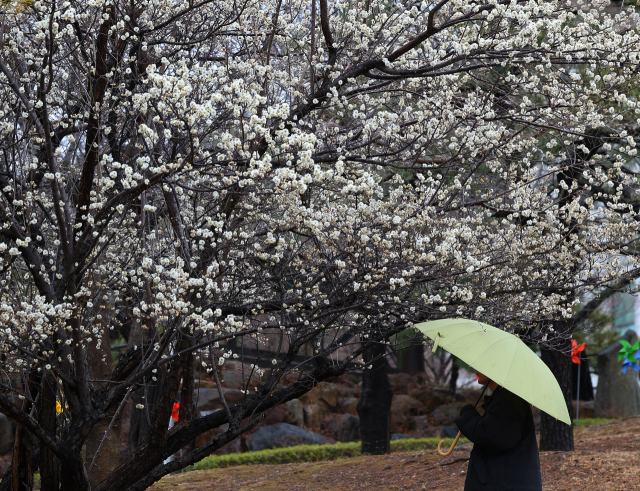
<point x="23" y="444"/>
<point x="411" y="359"/>
<point x="554" y="434"/>
<point x="100" y="369"/>
<point x="22" y="475"/>
<point x="616" y="390"/>
<point x="73" y="475"/>
<point x="149" y="454"/>
<point x="109" y="457"/>
<point x="49" y="464"/>
<point x="374" y="406"/>
<point x="187" y="405"/>
<point x="6" y="481"/>
<point x="140" y="421"/>
<point x="187" y="409"/>
<point x="453" y="380"/>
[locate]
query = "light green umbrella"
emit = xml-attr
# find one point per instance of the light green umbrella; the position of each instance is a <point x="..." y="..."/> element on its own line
<point x="502" y="357"/>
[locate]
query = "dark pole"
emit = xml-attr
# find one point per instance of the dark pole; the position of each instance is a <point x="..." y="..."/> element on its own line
<point x="374" y="406"/>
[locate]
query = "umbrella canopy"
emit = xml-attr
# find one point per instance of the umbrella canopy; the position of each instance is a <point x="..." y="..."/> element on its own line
<point x="502" y="357"/>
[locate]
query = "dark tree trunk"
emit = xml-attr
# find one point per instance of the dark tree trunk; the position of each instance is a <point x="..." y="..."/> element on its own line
<point x="100" y="369"/>
<point x="149" y="395"/>
<point x="187" y="404"/>
<point x="453" y="380"/>
<point x="6" y="483"/>
<point x="411" y="359"/>
<point x="374" y="406"/>
<point x="23" y="444"/>
<point x="149" y="454"/>
<point x="73" y="475"/>
<point x="49" y="465"/>
<point x="22" y="474"/>
<point x="142" y="419"/>
<point x="187" y="410"/>
<point x="554" y="434"/>
<point x="586" y="389"/>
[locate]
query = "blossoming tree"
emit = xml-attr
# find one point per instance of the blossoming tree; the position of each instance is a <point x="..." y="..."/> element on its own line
<point x="314" y="174"/>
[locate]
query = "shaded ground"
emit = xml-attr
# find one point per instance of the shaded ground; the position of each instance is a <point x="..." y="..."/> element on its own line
<point x="607" y="457"/>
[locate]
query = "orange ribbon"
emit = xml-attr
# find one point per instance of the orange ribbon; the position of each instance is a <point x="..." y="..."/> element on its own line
<point x="175" y="411"/>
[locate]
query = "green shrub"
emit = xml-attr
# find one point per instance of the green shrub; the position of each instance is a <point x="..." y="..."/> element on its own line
<point x="593" y="421"/>
<point x="312" y="453"/>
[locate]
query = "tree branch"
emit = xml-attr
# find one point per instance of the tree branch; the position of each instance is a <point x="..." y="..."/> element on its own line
<point x="12" y="411"/>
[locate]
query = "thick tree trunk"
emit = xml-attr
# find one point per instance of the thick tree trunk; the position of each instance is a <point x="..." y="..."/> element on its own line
<point x="24" y="445"/>
<point x="49" y="464"/>
<point x="188" y="386"/>
<point x="159" y="403"/>
<point x="554" y="434"/>
<point x="6" y="482"/>
<point x="73" y="475"/>
<point x="411" y="359"/>
<point x="22" y="474"/>
<point x="187" y="405"/>
<point x="109" y="457"/>
<point x="100" y="368"/>
<point x="140" y="421"/>
<point x="374" y="406"/>
<point x="453" y="379"/>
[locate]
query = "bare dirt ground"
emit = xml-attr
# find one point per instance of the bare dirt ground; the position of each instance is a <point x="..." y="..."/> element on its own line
<point x="607" y="457"/>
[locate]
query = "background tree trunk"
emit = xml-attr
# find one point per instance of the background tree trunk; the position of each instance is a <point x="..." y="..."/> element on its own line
<point x="23" y="443"/>
<point x="616" y="394"/>
<point x="142" y="419"/>
<point x="100" y="368"/>
<point x="73" y="475"/>
<point x="554" y="434"/>
<point x="148" y="396"/>
<point x="411" y="359"/>
<point x="22" y="476"/>
<point x="6" y="484"/>
<point x="453" y="379"/>
<point x="374" y="406"/>
<point x="49" y="464"/>
<point x="586" y="388"/>
<point x="187" y="404"/>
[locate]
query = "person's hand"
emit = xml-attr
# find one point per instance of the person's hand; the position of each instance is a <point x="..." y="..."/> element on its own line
<point x="468" y="407"/>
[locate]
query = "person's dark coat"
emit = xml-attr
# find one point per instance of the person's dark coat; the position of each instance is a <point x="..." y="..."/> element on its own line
<point x="505" y="452"/>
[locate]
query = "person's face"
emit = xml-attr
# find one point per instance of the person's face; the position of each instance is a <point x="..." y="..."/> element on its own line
<point x="482" y="378"/>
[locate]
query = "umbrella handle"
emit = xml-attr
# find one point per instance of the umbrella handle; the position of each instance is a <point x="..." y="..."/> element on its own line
<point x="448" y="452"/>
<point x="455" y="442"/>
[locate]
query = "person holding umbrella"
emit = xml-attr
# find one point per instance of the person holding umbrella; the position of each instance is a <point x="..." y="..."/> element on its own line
<point x="505" y="452"/>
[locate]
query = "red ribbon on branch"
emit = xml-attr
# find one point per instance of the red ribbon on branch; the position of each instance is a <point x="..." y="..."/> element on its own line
<point x="575" y="351"/>
<point x="176" y="411"/>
